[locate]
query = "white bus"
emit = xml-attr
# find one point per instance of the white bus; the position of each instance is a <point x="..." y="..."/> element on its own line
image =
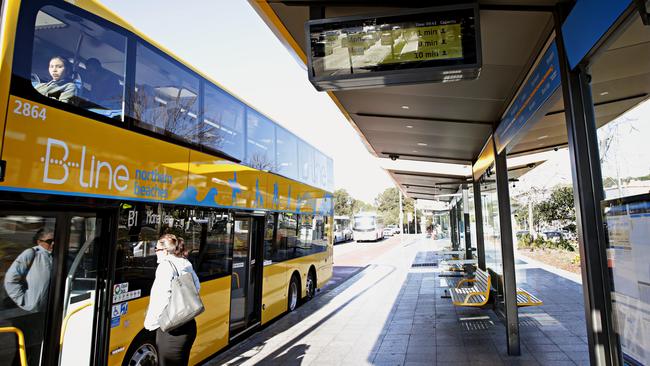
<point x="342" y="229"/>
<point x="368" y="227"/>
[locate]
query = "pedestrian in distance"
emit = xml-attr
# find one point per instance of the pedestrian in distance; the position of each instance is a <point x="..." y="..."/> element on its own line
<point x="174" y="345"/>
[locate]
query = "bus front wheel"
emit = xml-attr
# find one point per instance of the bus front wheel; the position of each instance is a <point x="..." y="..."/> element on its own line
<point x="142" y="352"/>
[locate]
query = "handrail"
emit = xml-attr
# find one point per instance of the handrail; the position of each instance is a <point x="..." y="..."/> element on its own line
<point x="236" y="275"/>
<point x="21" y="342"/>
<point x="67" y="318"/>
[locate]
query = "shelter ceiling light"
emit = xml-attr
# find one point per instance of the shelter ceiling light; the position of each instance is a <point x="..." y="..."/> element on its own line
<point x="415" y="151"/>
<point x="405" y="107"/>
<point x="604" y="93"/>
<point x="409" y="126"/>
<point x="421" y="144"/>
<point x="542" y="137"/>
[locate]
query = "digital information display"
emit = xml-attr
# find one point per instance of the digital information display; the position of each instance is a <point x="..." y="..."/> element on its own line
<point x="627" y="223"/>
<point x="428" y="45"/>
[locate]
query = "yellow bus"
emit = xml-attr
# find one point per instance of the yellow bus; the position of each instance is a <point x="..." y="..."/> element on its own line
<point x="108" y="141"/>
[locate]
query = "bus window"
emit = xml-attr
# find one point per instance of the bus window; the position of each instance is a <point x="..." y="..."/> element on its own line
<point x="306" y="234"/>
<point x="305" y="163"/>
<point x="320" y="170"/>
<point x="209" y="236"/>
<point x="77" y="61"/>
<point x="138" y="232"/>
<point x="287" y="153"/>
<point x="273" y="249"/>
<point x="286" y="236"/>
<point x="260" y="148"/>
<point x="223" y="122"/>
<point x="166" y="96"/>
<point x="26" y="243"/>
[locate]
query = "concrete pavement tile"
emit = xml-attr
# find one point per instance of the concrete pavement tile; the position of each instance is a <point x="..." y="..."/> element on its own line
<point x="421" y="349"/>
<point x="389" y="357"/>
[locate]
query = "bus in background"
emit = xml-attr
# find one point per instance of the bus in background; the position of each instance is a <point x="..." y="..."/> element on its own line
<point x="108" y="141"/>
<point x="368" y="226"/>
<point x="342" y="229"/>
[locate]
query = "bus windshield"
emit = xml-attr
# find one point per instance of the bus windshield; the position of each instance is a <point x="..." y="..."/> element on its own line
<point x="364" y="222"/>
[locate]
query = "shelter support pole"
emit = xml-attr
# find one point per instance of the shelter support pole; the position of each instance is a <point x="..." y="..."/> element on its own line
<point x="507" y="256"/>
<point x="401" y="214"/>
<point x="480" y="244"/>
<point x="468" y="232"/>
<point x="452" y="227"/>
<point x="415" y="214"/>
<point x="588" y="193"/>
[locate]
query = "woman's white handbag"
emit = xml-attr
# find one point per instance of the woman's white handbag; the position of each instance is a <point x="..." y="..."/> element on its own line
<point x="184" y="303"/>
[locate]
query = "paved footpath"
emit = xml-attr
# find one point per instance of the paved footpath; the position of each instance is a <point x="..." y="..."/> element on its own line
<point x="392" y="314"/>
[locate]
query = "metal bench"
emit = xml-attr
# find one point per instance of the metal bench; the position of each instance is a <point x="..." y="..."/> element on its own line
<point x="525" y="298"/>
<point x="477" y="295"/>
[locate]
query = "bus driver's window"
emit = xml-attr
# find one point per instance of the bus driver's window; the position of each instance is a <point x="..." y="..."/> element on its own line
<point x="79" y="62"/>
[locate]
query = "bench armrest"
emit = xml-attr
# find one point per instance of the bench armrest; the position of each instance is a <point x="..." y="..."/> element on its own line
<point x="471" y="294"/>
<point x="466" y="280"/>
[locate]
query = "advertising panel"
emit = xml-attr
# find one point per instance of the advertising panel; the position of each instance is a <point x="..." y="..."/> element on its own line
<point x="627" y="223"/>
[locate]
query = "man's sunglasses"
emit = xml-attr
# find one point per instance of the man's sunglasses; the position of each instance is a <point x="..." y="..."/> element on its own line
<point x="49" y="241"/>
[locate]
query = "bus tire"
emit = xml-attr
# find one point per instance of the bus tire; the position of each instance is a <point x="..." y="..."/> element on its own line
<point x="311" y="284"/>
<point x="294" y="293"/>
<point x="142" y="351"/>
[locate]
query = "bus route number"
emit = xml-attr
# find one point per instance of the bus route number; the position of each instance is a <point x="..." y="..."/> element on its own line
<point x="30" y="110"/>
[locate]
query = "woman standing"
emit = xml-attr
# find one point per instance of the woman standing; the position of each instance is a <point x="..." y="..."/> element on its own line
<point x="173" y="346"/>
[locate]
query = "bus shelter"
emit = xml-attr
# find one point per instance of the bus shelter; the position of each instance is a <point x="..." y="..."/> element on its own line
<point x="552" y="74"/>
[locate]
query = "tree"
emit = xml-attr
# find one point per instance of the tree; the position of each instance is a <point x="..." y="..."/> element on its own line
<point x="559" y="209"/>
<point x="343" y="202"/>
<point x="387" y="204"/>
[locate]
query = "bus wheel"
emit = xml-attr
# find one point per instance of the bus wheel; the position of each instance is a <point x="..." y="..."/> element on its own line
<point x="142" y="353"/>
<point x="293" y="294"/>
<point x="311" y="285"/>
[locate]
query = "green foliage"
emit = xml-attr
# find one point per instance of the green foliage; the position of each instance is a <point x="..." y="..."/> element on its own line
<point x="525" y="241"/>
<point x="346" y="205"/>
<point x="387" y="204"/>
<point x="342" y="202"/>
<point x="558" y="208"/>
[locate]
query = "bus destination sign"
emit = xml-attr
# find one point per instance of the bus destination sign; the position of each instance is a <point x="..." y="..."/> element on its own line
<point x="439" y="44"/>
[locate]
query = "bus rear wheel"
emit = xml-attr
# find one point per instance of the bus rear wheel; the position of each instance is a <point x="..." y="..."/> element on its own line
<point x="311" y="285"/>
<point x="294" y="294"/>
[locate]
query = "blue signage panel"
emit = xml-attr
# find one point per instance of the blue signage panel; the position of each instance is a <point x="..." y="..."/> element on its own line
<point x="587" y="23"/>
<point x="540" y="85"/>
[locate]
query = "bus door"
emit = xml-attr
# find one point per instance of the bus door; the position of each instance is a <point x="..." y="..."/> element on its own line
<point x="245" y="297"/>
<point x="52" y="286"/>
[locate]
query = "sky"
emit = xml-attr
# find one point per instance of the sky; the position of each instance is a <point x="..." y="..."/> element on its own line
<point x="228" y="41"/>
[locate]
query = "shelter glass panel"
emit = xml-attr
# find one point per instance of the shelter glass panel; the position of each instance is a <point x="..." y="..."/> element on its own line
<point x="620" y="90"/>
<point x="491" y="228"/>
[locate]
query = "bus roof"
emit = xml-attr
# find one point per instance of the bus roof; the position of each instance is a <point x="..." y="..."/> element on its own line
<point x="365" y="214"/>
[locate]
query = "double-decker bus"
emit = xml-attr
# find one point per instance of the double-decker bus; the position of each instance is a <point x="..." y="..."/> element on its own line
<point x="107" y="141"/>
